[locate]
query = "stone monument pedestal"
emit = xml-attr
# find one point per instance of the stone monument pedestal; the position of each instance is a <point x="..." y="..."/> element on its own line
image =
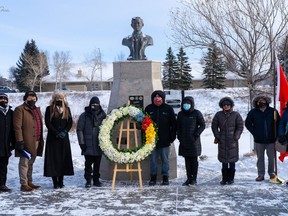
<point x="135" y="78"/>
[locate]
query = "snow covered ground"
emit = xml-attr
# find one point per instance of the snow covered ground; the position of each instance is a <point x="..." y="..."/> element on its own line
<point x="244" y="197"/>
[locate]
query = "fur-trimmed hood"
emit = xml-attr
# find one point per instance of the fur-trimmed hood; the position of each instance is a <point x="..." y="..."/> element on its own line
<point x="226" y="99"/>
<point x="257" y="98"/>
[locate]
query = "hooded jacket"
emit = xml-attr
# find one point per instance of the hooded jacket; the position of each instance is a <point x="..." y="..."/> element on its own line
<point x="260" y="123"/>
<point x="165" y="120"/>
<point x="190" y="124"/>
<point x="88" y="130"/>
<point x="227" y="127"/>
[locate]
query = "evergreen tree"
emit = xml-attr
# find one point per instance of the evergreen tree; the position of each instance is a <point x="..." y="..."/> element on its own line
<point x="169" y="71"/>
<point x="214" y="71"/>
<point x="184" y="81"/>
<point x="31" y="67"/>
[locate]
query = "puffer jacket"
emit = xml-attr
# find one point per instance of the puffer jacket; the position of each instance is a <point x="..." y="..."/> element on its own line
<point x="227" y="127"/>
<point x="190" y="124"/>
<point x="88" y="131"/>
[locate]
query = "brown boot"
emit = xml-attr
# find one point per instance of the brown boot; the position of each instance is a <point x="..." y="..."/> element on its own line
<point x="26" y="188"/>
<point x="30" y="184"/>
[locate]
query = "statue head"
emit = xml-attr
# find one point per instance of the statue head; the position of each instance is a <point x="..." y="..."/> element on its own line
<point x="137" y="23"/>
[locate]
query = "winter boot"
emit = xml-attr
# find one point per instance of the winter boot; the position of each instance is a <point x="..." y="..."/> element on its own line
<point x="153" y="180"/>
<point x="165" y="180"/>
<point x="231" y="174"/>
<point x="188" y="181"/>
<point x="88" y="183"/>
<point x="97" y="183"/>
<point x="60" y="181"/>
<point x="55" y="182"/>
<point x="224" y="176"/>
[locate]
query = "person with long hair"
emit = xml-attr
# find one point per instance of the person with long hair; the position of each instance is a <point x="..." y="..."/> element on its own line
<point x="58" y="157"/>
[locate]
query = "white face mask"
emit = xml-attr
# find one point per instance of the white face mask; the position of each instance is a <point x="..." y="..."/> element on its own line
<point x="186" y="106"/>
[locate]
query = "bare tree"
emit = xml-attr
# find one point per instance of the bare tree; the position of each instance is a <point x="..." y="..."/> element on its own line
<point x="95" y="64"/>
<point x="246" y="31"/>
<point x="62" y="64"/>
<point x="38" y="67"/>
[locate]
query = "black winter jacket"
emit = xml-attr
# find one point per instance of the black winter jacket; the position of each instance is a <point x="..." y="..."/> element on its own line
<point x="88" y="131"/>
<point x="165" y="119"/>
<point x="190" y="124"/>
<point x="261" y="124"/>
<point x="7" y="135"/>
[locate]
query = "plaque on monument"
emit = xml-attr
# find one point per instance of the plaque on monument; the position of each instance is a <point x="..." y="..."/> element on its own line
<point x="137" y="101"/>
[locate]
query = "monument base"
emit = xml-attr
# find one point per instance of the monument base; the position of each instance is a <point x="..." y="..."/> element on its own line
<point x="135" y="78"/>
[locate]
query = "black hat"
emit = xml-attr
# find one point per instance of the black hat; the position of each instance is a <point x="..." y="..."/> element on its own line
<point x="158" y="92"/>
<point x="3" y="95"/>
<point x="94" y="100"/>
<point x="29" y="93"/>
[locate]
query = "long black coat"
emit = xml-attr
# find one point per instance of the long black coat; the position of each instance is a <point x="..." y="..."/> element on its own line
<point x="190" y="124"/>
<point x="7" y="135"/>
<point x="228" y="134"/>
<point x="88" y="131"/>
<point x="58" y="157"/>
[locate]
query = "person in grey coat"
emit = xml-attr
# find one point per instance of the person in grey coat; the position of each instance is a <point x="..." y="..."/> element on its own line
<point x="190" y="124"/>
<point x="227" y="127"/>
<point x="87" y="133"/>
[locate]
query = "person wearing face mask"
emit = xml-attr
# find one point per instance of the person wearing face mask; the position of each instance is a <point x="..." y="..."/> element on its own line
<point x="164" y="117"/>
<point x="7" y="139"/>
<point x="227" y="127"/>
<point x="190" y="125"/>
<point x="58" y="157"/>
<point x="87" y="133"/>
<point x="261" y="124"/>
<point x="28" y="126"/>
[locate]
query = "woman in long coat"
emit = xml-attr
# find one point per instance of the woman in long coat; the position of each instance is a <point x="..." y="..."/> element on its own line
<point x="58" y="157"/>
<point x="190" y="124"/>
<point x="227" y="126"/>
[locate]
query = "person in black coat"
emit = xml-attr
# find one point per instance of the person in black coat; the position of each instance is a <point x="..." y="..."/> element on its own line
<point x="164" y="117"/>
<point x="88" y="133"/>
<point x="190" y="125"/>
<point x="7" y="139"/>
<point x="58" y="157"/>
<point x="261" y="124"/>
<point x="227" y="127"/>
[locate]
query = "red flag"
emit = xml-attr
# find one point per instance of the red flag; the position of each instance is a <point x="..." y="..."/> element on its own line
<point x="281" y="94"/>
<point x="282" y="86"/>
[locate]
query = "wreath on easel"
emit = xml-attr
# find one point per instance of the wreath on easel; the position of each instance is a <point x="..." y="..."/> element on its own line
<point x="131" y="155"/>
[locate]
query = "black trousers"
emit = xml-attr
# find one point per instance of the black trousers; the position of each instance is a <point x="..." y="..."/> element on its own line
<point x="92" y="167"/>
<point x="191" y="164"/>
<point x="3" y="170"/>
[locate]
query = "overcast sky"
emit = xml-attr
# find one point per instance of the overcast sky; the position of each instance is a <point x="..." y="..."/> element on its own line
<point x="79" y="26"/>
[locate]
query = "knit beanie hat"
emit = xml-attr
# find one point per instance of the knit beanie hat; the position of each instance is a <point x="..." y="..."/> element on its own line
<point x="94" y="100"/>
<point x="29" y="93"/>
<point x="3" y="95"/>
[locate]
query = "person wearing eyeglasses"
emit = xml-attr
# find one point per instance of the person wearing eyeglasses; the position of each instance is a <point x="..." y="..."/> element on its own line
<point x="227" y="127"/>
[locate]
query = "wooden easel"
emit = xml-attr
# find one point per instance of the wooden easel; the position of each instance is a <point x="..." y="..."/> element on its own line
<point x="128" y="166"/>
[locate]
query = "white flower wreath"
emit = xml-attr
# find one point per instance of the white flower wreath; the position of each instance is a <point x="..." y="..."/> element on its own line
<point x="131" y="155"/>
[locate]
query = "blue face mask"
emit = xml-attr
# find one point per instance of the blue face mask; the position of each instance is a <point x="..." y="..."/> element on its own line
<point x="186" y="106"/>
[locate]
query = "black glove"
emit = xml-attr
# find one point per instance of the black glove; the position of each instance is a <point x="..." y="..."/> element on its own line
<point x="282" y="139"/>
<point x="83" y="147"/>
<point x="61" y="134"/>
<point x="19" y="146"/>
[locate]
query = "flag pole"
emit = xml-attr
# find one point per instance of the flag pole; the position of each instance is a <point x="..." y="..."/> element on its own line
<point x="273" y="58"/>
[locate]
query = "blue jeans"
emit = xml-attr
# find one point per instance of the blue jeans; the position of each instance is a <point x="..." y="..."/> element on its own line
<point x="164" y="155"/>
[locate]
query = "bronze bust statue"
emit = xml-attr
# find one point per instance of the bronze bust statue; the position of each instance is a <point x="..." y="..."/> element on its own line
<point x="137" y="42"/>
